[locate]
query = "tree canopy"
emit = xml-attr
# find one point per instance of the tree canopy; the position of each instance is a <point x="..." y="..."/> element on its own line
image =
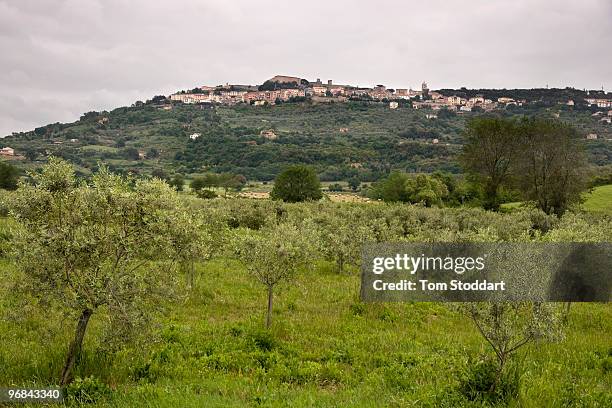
<point x="295" y="184"/>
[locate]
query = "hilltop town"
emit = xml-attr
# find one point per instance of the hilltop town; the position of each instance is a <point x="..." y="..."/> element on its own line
<point x="344" y="131"/>
<point x="282" y="88"/>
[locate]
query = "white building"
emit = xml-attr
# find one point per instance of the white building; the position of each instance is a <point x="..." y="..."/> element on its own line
<point x="7" y="151"/>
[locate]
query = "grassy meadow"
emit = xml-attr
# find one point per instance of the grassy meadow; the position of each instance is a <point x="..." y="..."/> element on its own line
<point x="599" y="200"/>
<point x="324" y="349"/>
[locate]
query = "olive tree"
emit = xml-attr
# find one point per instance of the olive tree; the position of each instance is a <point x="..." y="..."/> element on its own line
<point x="198" y="236"/>
<point x="508" y="326"/>
<point x="103" y="246"/>
<point x="342" y="236"/>
<point x="274" y="255"/>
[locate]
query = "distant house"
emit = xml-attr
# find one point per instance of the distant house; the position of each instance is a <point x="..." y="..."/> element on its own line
<point x="434" y="95"/>
<point x="570" y="102"/>
<point x="319" y="90"/>
<point x="606" y="119"/>
<point x="393" y="105"/>
<point x="194" y="136"/>
<point x="431" y="116"/>
<point x="435" y="141"/>
<point x="259" y="103"/>
<point x="268" y="134"/>
<point x="456" y="100"/>
<point x="478" y="99"/>
<point x="591" y="136"/>
<point x="344" y="129"/>
<point x="7" y="151"/>
<point x="601" y="103"/>
<point x="74" y="140"/>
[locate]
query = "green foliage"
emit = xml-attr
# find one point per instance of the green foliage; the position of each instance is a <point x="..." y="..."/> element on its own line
<point x="206" y="194"/>
<point x="551" y="165"/>
<point x="490" y="146"/>
<point x="326" y="348"/>
<point x="178" y="182"/>
<point x="274" y="255"/>
<point x="542" y="158"/>
<point x="295" y="184"/>
<point x="104" y="245"/>
<point x="482" y="381"/>
<point x="419" y="189"/>
<point x="87" y="390"/>
<point x="9" y="176"/>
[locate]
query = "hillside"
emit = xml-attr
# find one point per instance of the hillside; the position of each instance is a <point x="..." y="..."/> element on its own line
<point x="341" y="140"/>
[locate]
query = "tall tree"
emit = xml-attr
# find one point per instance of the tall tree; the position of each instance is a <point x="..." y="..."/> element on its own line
<point x="490" y="146"/>
<point x="297" y="183"/>
<point x="9" y="176"/>
<point x="98" y="247"/>
<point x="551" y="169"/>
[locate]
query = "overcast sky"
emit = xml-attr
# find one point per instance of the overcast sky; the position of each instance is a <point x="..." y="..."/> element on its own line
<point x="61" y="58"/>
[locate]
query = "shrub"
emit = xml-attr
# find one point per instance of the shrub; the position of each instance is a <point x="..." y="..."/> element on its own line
<point x="87" y="390"/>
<point x="206" y="194"/>
<point x="483" y="381"/>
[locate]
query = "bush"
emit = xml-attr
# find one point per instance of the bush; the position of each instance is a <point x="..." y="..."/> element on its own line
<point x="482" y="381"/>
<point x="87" y="390"/>
<point x="206" y="194"/>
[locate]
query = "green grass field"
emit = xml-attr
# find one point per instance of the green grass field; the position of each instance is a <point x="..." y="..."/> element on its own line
<point x="600" y="200"/>
<point x="325" y="349"/>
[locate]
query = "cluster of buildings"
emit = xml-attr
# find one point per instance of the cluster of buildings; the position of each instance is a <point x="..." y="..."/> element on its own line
<point x="284" y="88"/>
<point x="437" y="101"/>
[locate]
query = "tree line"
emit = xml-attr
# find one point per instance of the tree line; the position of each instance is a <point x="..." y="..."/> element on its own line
<point x="536" y="160"/>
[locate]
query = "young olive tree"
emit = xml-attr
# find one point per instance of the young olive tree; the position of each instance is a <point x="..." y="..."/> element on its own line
<point x="197" y="237"/>
<point x="103" y="246"/>
<point x="508" y="326"/>
<point x="342" y="237"/>
<point x="274" y="255"/>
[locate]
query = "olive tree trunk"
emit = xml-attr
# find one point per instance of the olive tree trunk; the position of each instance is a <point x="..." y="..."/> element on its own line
<point x="269" y="313"/>
<point x="74" y="351"/>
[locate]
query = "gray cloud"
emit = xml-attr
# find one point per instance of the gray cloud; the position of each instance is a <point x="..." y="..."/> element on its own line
<point x="61" y="58"/>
